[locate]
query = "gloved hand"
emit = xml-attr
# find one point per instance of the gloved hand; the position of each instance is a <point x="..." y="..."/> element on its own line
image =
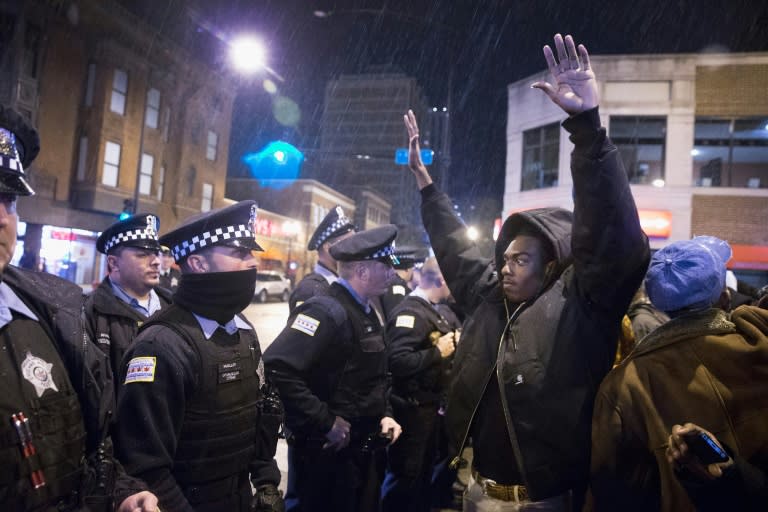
<point x="267" y="499"/>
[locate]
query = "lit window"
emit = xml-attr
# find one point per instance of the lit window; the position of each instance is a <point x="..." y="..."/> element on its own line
<point x="213" y="141"/>
<point x="207" y="203"/>
<point x="145" y="179"/>
<point x="111" y="168"/>
<point x="119" y="92"/>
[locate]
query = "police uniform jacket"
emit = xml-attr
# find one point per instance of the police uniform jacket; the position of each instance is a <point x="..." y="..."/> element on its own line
<point x="188" y="414"/>
<point x="112" y="324"/>
<point x="55" y="375"/>
<point x="330" y="361"/>
<point x="550" y="353"/>
<point x="310" y="285"/>
<point x="418" y="370"/>
<point x="394" y="295"/>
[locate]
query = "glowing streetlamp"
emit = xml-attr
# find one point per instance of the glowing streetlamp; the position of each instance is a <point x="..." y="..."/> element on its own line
<point x="247" y="54"/>
<point x="472" y="233"/>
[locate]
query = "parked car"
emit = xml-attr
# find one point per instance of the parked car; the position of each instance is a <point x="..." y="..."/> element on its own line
<point x="270" y="283"/>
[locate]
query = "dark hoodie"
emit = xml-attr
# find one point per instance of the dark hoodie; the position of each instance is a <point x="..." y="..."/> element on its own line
<point x="553" y="350"/>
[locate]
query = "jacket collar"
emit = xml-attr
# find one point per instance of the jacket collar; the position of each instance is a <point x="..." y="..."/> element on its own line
<point x="681" y="328"/>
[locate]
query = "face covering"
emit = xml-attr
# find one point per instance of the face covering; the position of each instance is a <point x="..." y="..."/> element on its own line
<point x="216" y="295"/>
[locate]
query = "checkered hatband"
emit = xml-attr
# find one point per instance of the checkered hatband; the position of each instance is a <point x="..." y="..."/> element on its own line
<point x="197" y="242"/>
<point x="387" y="252"/>
<point x="148" y="232"/>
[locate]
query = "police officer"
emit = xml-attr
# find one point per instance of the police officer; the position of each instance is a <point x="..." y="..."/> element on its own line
<point x="56" y="385"/>
<point x="169" y="274"/>
<point x="421" y="344"/>
<point x="330" y="367"/>
<point x="129" y="293"/>
<point x="401" y="283"/>
<point x="335" y="226"/>
<point x="191" y="419"/>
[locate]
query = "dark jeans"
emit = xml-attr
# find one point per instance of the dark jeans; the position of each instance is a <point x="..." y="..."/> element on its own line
<point x="323" y="480"/>
<point x="412" y="460"/>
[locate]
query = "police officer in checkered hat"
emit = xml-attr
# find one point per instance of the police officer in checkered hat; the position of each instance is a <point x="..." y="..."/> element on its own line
<point x="334" y="227"/>
<point x="131" y="290"/>
<point x="330" y="367"/>
<point x="56" y="383"/>
<point x="192" y="420"/>
<point x="401" y="283"/>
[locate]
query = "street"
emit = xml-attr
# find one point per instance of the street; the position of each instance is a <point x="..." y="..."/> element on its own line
<point x="269" y="319"/>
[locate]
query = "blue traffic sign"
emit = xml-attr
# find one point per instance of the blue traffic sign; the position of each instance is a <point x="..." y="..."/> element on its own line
<point x="401" y="156"/>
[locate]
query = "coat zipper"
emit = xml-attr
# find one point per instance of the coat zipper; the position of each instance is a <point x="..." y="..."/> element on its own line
<point x="454" y="464"/>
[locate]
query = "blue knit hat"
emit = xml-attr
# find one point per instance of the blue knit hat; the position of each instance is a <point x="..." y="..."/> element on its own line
<point x="689" y="274"/>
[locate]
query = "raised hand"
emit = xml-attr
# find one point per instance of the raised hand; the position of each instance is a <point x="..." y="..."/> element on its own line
<point x="574" y="87"/>
<point x="415" y="163"/>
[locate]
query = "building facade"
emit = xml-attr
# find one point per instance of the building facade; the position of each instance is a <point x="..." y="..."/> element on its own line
<point x="361" y="129"/>
<point x="123" y="114"/>
<point x="305" y="203"/>
<point x="692" y="130"/>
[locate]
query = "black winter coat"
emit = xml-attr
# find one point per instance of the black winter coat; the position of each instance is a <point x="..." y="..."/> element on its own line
<point x="551" y="354"/>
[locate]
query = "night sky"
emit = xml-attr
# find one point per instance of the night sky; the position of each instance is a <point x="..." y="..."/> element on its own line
<point x="492" y="43"/>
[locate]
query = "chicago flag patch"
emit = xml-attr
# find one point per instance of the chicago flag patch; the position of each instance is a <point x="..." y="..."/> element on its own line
<point x="141" y="369"/>
<point x="306" y="324"/>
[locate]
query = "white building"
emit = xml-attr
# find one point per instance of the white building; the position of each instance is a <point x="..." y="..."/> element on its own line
<point x="693" y="133"/>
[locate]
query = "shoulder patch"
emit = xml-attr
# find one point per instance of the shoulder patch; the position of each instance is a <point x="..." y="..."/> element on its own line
<point x="141" y="369"/>
<point x="406" y="321"/>
<point x="305" y="324"/>
<point x="398" y="289"/>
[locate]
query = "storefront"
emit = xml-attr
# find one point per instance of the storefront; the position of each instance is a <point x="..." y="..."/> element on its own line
<point x="69" y="253"/>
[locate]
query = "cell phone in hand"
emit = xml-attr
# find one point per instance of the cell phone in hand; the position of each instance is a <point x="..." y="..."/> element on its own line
<point x="705" y="448"/>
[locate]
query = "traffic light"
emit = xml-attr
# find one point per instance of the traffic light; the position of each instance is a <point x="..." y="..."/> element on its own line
<point x="128" y="209"/>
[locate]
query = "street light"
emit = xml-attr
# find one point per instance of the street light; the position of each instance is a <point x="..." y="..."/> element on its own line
<point x="472" y="233"/>
<point x="248" y="55"/>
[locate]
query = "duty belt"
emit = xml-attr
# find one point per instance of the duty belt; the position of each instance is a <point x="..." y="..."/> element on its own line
<point x="502" y="492"/>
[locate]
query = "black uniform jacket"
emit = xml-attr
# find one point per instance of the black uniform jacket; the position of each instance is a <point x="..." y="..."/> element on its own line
<point x="151" y="411"/>
<point x="395" y="294"/>
<point x="112" y="324"/>
<point x="418" y="369"/>
<point x="324" y="366"/>
<point x="310" y="285"/>
<point x="58" y="306"/>
<point x="559" y="346"/>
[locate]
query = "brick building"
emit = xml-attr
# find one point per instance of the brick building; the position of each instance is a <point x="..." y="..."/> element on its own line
<point x="121" y="110"/>
<point x="693" y="133"/>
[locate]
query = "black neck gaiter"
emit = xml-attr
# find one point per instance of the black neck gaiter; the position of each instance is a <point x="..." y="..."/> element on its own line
<point x="216" y="295"/>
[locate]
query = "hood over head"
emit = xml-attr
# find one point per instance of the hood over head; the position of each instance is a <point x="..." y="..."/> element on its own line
<point x="553" y="223"/>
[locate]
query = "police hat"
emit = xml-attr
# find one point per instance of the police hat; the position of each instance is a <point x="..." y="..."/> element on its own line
<point x="135" y="231"/>
<point x="336" y="223"/>
<point x="406" y="257"/>
<point x="19" y="145"/>
<point x="371" y="244"/>
<point x="233" y="226"/>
